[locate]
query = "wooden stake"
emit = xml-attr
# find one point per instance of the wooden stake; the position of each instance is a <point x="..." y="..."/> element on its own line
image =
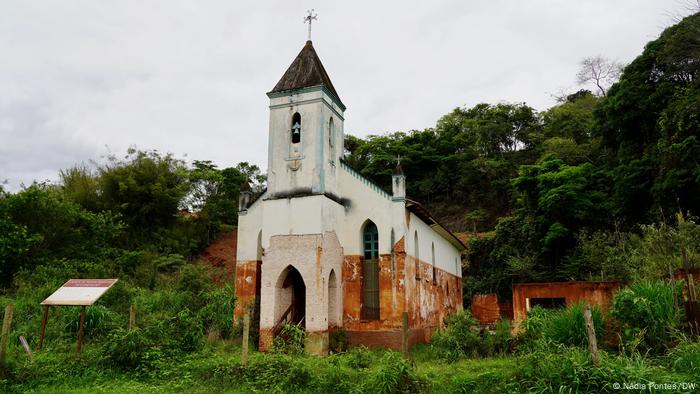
<point x="6" y="324"/>
<point x="81" y="329"/>
<point x="404" y="334"/>
<point x="132" y="316"/>
<point x="25" y="345"/>
<point x="244" y="345"/>
<point x="590" y="330"/>
<point x="43" y="327"/>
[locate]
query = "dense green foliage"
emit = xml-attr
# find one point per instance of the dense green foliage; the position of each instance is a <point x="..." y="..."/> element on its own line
<point x="649" y="318"/>
<point x="462" y="337"/>
<point x="564" y="326"/>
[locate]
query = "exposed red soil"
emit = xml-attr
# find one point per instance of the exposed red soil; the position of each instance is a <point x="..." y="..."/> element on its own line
<point x="221" y="256"/>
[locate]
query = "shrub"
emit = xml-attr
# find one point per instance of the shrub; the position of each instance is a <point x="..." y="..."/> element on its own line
<point x="289" y="341"/>
<point x="359" y="357"/>
<point x="552" y="367"/>
<point x="459" y="338"/>
<point x="562" y="326"/>
<point x="685" y="357"/>
<point x="338" y="340"/>
<point x="127" y="349"/>
<point x="646" y="310"/>
<point x="217" y="310"/>
<point x="463" y="336"/>
<point x="395" y="375"/>
<point x="568" y="326"/>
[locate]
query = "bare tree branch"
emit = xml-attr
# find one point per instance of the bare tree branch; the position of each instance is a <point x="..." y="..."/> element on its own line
<point x="600" y="71"/>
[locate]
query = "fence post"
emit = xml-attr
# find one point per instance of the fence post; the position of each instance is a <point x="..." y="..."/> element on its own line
<point x="404" y="334"/>
<point x="244" y="345"/>
<point x="590" y="330"/>
<point x="25" y="345"/>
<point x="132" y="316"/>
<point x="6" y="324"/>
<point x="81" y="329"/>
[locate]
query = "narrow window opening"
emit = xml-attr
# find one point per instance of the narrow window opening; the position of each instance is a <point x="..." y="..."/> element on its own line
<point x="433" y="261"/>
<point x="415" y="253"/>
<point x="370" y="272"/>
<point x="296" y="128"/>
<point x="393" y="257"/>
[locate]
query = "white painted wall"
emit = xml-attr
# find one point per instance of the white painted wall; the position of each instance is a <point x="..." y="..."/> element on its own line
<point x="445" y="252"/>
<point x="309" y="163"/>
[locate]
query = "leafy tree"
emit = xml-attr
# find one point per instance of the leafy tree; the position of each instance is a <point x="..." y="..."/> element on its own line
<point x="40" y="225"/>
<point x="649" y="121"/>
<point x="146" y="190"/>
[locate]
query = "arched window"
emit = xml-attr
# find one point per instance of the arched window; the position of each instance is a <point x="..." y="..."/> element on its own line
<point x="432" y="246"/>
<point x="331" y="133"/>
<point x="370" y="272"/>
<point x="296" y="128"/>
<point x="415" y="253"/>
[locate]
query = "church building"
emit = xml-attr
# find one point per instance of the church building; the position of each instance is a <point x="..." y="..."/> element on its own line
<point x="323" y="246"/>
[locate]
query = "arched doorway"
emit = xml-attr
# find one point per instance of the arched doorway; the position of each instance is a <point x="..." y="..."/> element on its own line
<point x="290" y="298"/>
<point x="332" y="300"/>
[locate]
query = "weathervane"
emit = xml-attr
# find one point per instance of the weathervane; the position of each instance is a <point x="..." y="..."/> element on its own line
<point x="311" y="16"/>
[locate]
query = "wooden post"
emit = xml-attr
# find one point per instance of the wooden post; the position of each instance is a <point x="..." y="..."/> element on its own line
<point x="25" y="345"/>
<point x="6" y="324"/>
<point x="244" y="345"/>
<point x="43" y="327"/>
<point x="81" y="328"/>
<point x="132" y="316"/>
<point x="590" y="330"/>
<point x="404" y="334"/>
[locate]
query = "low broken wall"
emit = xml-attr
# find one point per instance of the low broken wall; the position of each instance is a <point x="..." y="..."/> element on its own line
<point x="596" y="293"/>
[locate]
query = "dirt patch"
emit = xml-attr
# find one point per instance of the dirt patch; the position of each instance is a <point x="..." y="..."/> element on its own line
<point x="221" y="256"/>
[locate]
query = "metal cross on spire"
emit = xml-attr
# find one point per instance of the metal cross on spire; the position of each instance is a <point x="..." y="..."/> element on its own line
<point x="311" y="16"/>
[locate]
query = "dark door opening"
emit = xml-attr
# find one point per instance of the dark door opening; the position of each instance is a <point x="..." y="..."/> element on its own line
<point x="298" y="290"/>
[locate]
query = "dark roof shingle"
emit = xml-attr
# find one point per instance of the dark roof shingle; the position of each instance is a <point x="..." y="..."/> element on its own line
<point x="305" y="71"/>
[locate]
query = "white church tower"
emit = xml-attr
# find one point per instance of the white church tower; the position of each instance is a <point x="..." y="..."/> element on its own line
<point x="306" y="130"/>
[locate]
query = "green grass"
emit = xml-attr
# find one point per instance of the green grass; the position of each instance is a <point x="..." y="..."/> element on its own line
<point x="216" y="368"/>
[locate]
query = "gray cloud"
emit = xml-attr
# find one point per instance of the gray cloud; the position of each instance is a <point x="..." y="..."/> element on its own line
<point x="190" y="77"/>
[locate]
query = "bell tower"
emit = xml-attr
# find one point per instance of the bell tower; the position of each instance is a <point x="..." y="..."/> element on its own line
<point x="306" y="130"/>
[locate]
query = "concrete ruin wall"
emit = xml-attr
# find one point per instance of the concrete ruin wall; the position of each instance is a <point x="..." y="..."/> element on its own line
<point x="596" y="293"/>
<point x="485" y="308"/>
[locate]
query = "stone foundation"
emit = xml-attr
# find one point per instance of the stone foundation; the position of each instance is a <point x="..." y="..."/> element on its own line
<point x="316" y="343"/>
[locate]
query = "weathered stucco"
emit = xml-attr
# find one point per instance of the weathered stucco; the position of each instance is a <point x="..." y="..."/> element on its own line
<point x="427" y="302"/>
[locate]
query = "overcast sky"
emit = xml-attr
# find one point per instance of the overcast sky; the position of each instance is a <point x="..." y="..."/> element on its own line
<point x="81" y="79"/>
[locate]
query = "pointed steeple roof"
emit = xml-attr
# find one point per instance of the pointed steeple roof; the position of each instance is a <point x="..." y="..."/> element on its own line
<point x="305" y="71"/>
